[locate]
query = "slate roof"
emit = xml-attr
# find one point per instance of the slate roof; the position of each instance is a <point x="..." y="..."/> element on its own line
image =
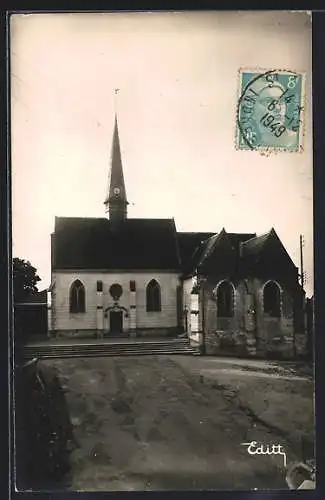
<point x="190" y="246"/>
<point x="254" y="246"/>
<point x="142" y="244"/>
<point x="265" y="247"/>
<point x="97" y="243"/>
<point x="237" y="238"/>
<point x="196" y="247"/>
<point x="208" y="246"/>
<point x="234" y="239"/>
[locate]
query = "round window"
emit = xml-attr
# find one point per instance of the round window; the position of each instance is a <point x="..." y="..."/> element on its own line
<point x="116" y="291"/>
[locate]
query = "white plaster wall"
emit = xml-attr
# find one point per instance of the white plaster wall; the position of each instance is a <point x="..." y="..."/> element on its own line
<point x="187" y="288"/>
<point x="187" y="302"/>
<point x="168" y="315"/>
<point x="65" y="321"/>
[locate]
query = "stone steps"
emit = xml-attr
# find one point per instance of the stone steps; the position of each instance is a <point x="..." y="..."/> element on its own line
<point x="170" y="347"/>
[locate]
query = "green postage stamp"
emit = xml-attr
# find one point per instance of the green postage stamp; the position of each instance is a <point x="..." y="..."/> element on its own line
<point x="270" y="110"/>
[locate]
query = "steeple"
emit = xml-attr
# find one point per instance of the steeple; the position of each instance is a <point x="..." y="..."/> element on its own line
<point x="116" y="202"/>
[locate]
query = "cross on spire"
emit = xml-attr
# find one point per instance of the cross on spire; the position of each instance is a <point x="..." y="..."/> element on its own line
<point x="116" y="91"/>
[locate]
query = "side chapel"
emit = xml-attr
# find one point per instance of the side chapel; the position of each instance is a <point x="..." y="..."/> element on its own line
<point x="119" y="276"/>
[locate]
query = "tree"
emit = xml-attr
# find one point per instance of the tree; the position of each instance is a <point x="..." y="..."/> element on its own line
<point x="25" y="279"/>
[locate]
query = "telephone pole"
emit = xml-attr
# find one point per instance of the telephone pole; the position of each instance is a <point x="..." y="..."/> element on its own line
<point x="302" y="275"/>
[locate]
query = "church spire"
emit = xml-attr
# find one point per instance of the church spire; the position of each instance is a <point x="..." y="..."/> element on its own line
<point x="116" y="201"/>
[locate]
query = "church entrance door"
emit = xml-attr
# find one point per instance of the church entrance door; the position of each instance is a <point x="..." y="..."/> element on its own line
<point x="116" y="321"/>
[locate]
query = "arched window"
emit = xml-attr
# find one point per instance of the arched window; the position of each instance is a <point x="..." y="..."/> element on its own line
<point x="225" y="300"/>
<point x="153" y="296"/>
<point x="77" y="297"/>
<point x="272" y="300"/>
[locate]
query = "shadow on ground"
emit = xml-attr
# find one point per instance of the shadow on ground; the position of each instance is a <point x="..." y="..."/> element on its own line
<point x="44" y="436"/>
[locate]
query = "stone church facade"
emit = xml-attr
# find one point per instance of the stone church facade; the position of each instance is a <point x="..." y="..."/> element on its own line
<point x="117" y="276"/>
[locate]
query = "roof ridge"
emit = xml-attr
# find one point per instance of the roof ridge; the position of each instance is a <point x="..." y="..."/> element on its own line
<point x="197" y="232"/>
<point x="208" y="251"/>
<point x="169" y="219"/>
<point x="78" y="217"/>
<point x="240" y="234"/>
<point x="256" y="237"/>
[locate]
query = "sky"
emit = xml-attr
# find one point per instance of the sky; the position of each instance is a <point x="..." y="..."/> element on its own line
<point x="179" y="87"/>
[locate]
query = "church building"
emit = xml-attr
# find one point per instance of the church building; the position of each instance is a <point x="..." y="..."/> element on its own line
<point x="117" y="276"/>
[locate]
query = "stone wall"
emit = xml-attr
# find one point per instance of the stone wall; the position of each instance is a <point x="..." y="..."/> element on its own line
<point x="157" y="332"/>
<point x="93" y="333"/>
<point x="301" y="341"/>
<point x="251" y="332"/>
<point x="67" y="334"/>
<point x="230" y="343"/>
<point x="244" y="344"/>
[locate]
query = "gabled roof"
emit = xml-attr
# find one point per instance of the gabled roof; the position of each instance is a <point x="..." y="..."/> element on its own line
<point x="254" y="245"/>
<point x="208" y="246"/>
<point x="154" y="244"/>
<point x="233" y="240"/>
<point x="237" y="239"/>
<point x="206" y="243"/>
<point x="190" y="245"/>
<point x="268" y="252"/>
<point x="89" y="243"/>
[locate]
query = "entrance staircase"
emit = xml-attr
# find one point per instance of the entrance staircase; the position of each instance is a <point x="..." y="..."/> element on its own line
<point x="113" y="347"/>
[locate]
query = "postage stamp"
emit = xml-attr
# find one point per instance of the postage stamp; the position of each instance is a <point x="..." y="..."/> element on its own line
<point x="270" y="110"/>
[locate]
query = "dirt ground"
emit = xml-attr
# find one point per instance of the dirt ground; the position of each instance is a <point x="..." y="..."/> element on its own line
<point x="159" y="422"/>
<point x="278" y="394"/>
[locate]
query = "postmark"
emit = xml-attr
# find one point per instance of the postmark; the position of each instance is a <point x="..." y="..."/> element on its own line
<point x="270" y="110"/>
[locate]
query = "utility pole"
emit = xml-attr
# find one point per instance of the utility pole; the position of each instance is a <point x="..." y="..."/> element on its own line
<point x="302" y="274"/>
<point x="302" y="282"/>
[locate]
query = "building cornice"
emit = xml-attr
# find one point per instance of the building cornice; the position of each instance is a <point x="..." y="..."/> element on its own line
<point x="116" y="271"/>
